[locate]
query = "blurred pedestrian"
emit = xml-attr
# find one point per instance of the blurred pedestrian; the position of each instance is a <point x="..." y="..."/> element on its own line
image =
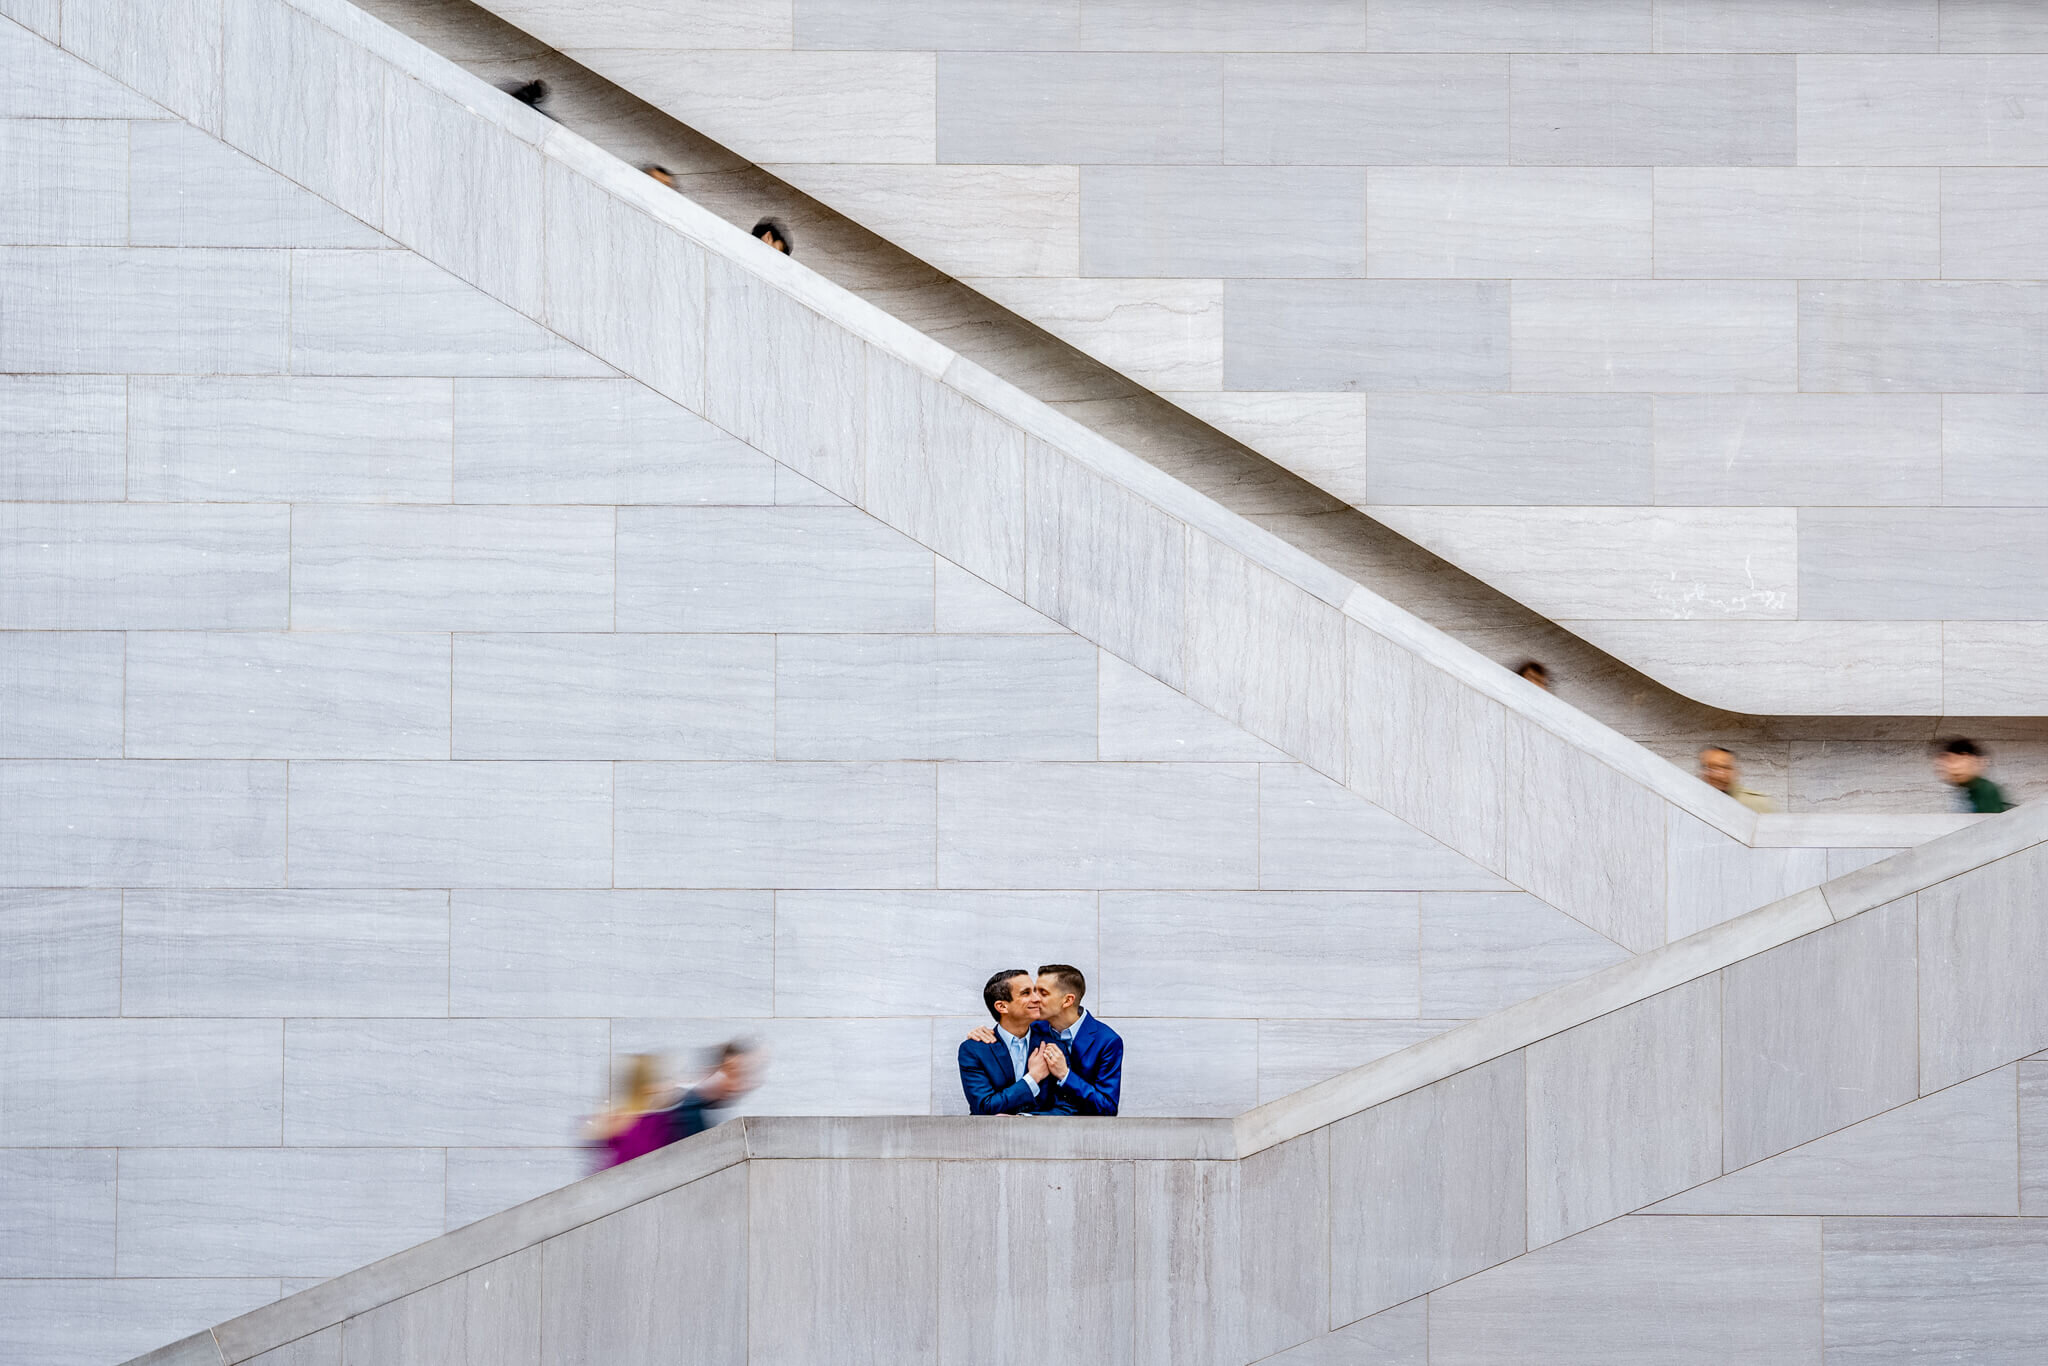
<point x="1532" y="671"/>
<point x="734" y="1072"/>
<point x="1961" y="764"/>
<point x="1719" y="771"/>
<point x="532" y="94"/>
<point x="639" y="1120"/>
<point x="771" y="232"/>
<point x="660" y="173"/>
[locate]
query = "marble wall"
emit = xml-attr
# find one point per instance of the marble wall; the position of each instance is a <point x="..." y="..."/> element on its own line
<point x="1704" y="328"/>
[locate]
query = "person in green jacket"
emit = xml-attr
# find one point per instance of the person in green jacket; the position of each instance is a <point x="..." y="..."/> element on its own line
<point x="1961" y="764"/>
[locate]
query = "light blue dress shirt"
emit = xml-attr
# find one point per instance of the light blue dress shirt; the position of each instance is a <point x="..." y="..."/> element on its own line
<point x="1020" y="1049"/>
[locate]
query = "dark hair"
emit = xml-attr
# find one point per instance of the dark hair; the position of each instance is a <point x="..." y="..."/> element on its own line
<point x="656" y="168"/>
<point x="997" y="988"/>
<point x="1070" y="979"/>
<point x="1531" y="666"/>
<point x="770" y="226"/>
<point x="527" y="92"/>
<point x="730" y="1049"/>
<point x="1717" y="749"/>
<point x="1959" y="745"/>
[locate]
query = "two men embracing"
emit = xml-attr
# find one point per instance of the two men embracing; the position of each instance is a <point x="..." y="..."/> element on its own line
<point x="1045" y="1055"/>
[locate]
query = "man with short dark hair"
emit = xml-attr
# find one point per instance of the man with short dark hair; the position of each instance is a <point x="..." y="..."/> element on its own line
<point x="1082" y="1056"/>
<point x="1961" y="764"/>
<point x="1087" y="1061"/>
<point x="1003" y="1071"/>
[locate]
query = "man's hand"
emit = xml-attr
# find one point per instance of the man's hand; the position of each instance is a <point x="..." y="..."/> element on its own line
<point x="1035" y="1066"/>
<point x="1055" y="1060"/>
<point x="982" y="1034"/>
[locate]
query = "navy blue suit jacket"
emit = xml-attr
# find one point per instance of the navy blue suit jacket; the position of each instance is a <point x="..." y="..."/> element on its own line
<point x="992" y="1086"/>
<point x="1095" y="1069"/>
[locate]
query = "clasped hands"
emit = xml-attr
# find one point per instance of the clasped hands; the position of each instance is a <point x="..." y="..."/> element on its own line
<point x="1046" y="1058"/>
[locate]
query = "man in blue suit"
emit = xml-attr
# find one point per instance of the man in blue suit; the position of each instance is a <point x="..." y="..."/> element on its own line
<point x="1083" y="1057"/>
<point x="1088" y="1067"/>
<point x="1004" y="1070"/>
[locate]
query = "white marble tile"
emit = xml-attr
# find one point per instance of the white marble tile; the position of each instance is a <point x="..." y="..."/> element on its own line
<point x="788" y="106"/>
<point x="1295" y="1054"/>
<point x="91" y="1322"/>
<point x="1774" y="450"/>
<point x="1582" y="836"/>
<point x="1994" y="668"/>
<point x="934" y="697"/>
<point x="1905" y="336"/>
<point x="866" y="1279"/>
<point x="793" y="490"/>
<point x="610" y="953"/>
<point x="1696" y="1291"/>
<point x="460" y="568"/>
<point x="775" y="825"/>
<point x="1101" y="825"/>
<point x="1426" y="1189"/>
<point x="1185" y="222"/>
<point x="1918" y="110"/>
<point x="1842" y="862"/>
<point x="1968" y="1289"/>
<point x="1188" y="1067"/>
<point x="1314" y="833"/>
<point x="784" y="379"/>
<point x="289" y="695"/>
<point x="967" y="605"/>
<point x="595" y="441"/>
<point x="1142" y="718"/>
<point x="1315" y="110"/>
<point x="170" y="52"/>
<point x="64" y="182"/>
<point x="301" y="1212"/>
<point x="307" y="102"/>
<point x="1266" y="655"/>
<point x="100" y="1083"/>
<point x="1164" y="334"/>
<point x="1816" y="668"/>
<point x="466" y="194"/>
<point x="1993" y="26"/>
<point x="133" y="823"/>
<point x="944" y="214"/>
<point x="1320" y="437"/>
<point x="192" y="190"/>
<point x="741" y="24"/>
<point x="1485" y="951"/>
<point x="1417" y="734"/>
<point x="1568" y="563"/>
<point x="394" y="313"/>
<point x="945" y="471"/>
<point x="1798" y="1063"/>
<point x="1526" y="26"/>
<point x="1641" y="109"/>
<point x="1713" y="878"/>
<point x="1292" y="954"/>
<point x="483" y="1181"/>
<point x="468" y="1083"/>
<point x="1978" y="934"/>
<point x="101" y="309"/>
<point x="1951" y="1153"/>
<point x="1624" y="1110"/>
<point x="296" y="953"/>
<point x="1105" y="563"/>
<point x="1899" y="564"/>
<point x="1751" y="223"/>
<point x="1393" y="1337"/>
<point x="49" y="82"/>
<point x="617" y="282"/>
<point x="1760" y="26"/>
<point x="180" y="566"/>
<point x="1493" y="221"/>
<point x="785" y="569"/>
<point x="1987" y="455"/>
<point x="1644" y="336"/>
<point x="923" y="953"/>
<point x="1340" y="335"/>
<point x="60" y="695"/>
<point x="1447" y="449"/>
<point x="1065" y="108"/>
<point x="63" y="438"/>
<point x="57" y="1216"/>
<point x="64" y="953"/>
<point x="534" y="696"/>
<point x="804" y="1064"/>
<point x="451" y="824"/>
<point x="284" y="440"/>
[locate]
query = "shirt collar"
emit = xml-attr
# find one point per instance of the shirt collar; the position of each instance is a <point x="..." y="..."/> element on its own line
<point x="1067" y="1034"/>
